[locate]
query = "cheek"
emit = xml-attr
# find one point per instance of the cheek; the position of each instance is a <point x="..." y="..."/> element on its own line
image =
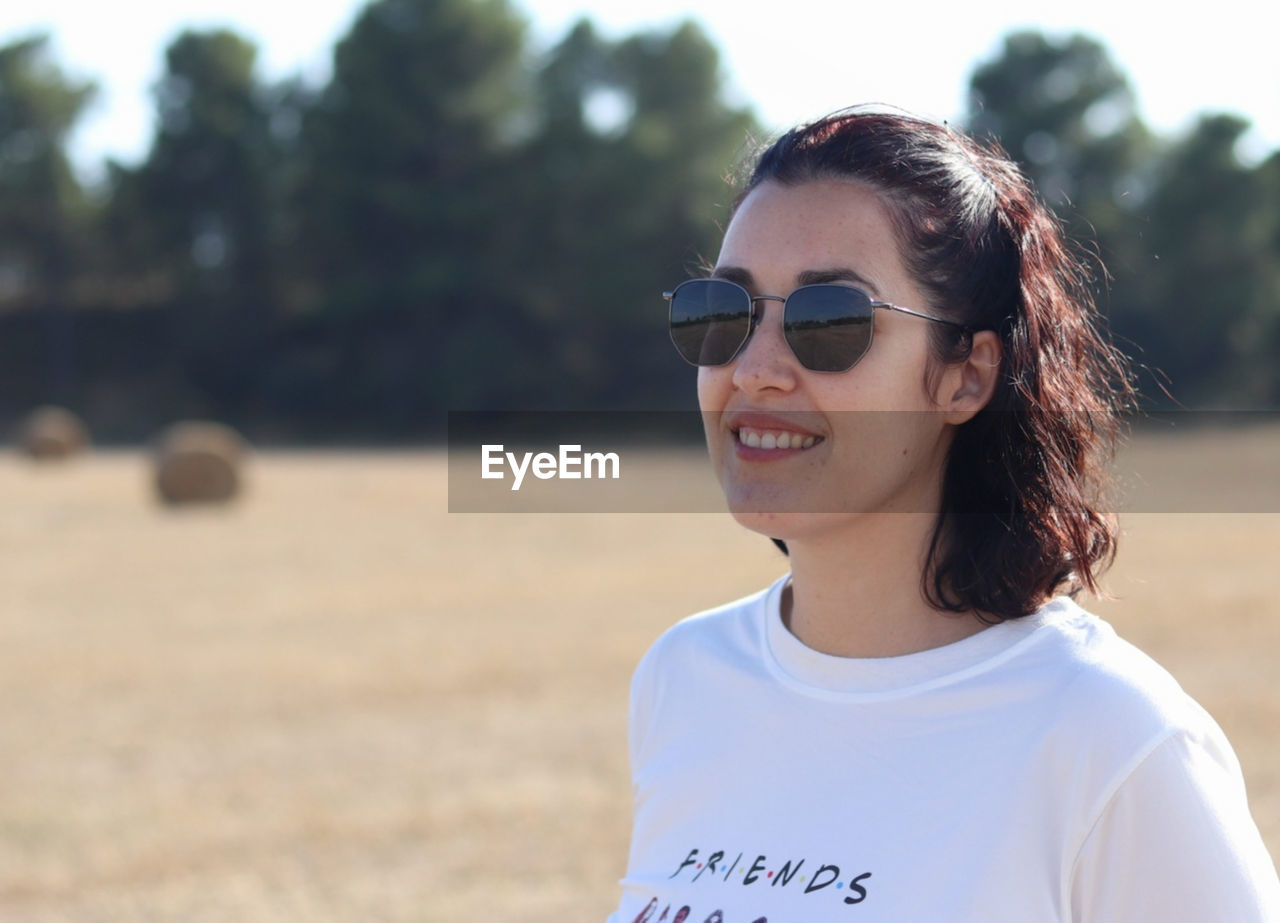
<point x="891" y="377"/>
<point x="714" y="384"/>
<point x="714" y="387"/>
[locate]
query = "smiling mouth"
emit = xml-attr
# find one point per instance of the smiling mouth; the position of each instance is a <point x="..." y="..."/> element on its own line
<point x="775" y="439"/>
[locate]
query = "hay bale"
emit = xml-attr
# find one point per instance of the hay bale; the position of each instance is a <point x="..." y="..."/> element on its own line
<point x="53" y="433"/>
<point x="197" y="462"/>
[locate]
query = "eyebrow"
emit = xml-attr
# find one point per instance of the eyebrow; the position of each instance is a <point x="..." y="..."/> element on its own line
<point x="808" y="277"/>
<point x="734" y="274"/>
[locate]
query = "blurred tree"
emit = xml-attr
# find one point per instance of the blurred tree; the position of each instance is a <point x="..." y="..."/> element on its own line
<point x="199" y="219"/>
<point x="405" y="185"/>
<point x="631" y="149"/>
<point x="1189" y="234"/>
<point x="44" y="212"/>
<point x="447" y="224"/>
<point x="1207" y="301"/>
<point x="483" y="241"/>
<point x="1266" y="343"/>
<point x="1066" y="112"/>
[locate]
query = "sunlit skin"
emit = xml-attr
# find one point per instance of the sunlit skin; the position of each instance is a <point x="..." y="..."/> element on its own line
<point x="856" y="569"/>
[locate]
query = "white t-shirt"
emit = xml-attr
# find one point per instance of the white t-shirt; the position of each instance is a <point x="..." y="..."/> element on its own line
<point x="1040" y="770"/>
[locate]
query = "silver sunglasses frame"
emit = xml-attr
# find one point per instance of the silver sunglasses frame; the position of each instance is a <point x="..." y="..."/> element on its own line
<point x="754" y="318"/>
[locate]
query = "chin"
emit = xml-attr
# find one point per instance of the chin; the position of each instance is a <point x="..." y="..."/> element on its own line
<point x="798" y="521"/>
<point x="779" y="507"/>
<point x="788" y="526"/>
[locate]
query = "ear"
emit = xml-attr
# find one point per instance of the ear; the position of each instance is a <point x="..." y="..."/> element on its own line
<point x="968" y="385"/>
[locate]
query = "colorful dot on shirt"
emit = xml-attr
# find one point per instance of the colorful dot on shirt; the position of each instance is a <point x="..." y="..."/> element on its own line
<point x="770" y="875"/>
<point x="839" y="884"/>
<point x="699" y="865"/>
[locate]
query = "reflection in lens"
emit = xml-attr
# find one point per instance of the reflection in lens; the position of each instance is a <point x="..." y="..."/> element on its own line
<point x="710" y="320"/>
<point x="828" y="326"/>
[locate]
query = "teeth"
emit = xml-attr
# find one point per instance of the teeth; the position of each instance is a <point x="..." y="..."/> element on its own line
<point x="774" y="439"/>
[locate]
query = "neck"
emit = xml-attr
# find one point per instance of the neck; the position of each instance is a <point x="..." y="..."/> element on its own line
<point x="857" y="592"/>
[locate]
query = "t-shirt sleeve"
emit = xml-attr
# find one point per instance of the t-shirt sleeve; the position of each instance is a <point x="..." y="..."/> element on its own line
<point x="644" y="683"/>
<point x="1176" y="843"/>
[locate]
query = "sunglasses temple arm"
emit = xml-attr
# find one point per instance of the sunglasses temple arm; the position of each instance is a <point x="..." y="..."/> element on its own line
<point x="920" y="314"/>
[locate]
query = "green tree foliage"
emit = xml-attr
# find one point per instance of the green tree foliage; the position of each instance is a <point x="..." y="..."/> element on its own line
<point x="42" y="206"/>
<point x="201" y="194"/>
<point x="44" y="213"/>
<point x="403" y="140"/>
<point x="1266" y="344"/>
<point x="196" y="226"/>
<point x="1065" y="110"/>
<point x="1206" y="302"/>
<point x="404" y="185"/>
<point x="490" y="233"/>
<point x="451" y="222"/>
<point x="1187" y="232"/>
<point x="631" y="150"/>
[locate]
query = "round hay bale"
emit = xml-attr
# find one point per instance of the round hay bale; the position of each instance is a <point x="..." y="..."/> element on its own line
<point x="52" y="433"/>
<point x="198" y="463"/>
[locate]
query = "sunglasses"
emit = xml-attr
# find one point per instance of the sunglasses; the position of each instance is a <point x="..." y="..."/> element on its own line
<point x="827" y="326"/>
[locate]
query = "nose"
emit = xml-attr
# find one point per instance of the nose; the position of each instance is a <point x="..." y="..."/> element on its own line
<point x="766" y="361"/>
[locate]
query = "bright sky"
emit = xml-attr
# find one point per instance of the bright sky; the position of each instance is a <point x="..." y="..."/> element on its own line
<point x="796" y="60"/>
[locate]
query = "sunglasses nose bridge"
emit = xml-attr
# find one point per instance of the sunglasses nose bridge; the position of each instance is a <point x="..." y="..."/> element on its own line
<point x="757" y="316"/>
<point x="757" y="309"/>
<point x="765" y="359"/>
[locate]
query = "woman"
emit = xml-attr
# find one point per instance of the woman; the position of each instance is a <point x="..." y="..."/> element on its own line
<point x="917" y="724"/>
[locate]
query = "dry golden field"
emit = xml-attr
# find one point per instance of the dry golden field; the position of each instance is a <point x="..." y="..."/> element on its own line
<point x="335" y="701"/>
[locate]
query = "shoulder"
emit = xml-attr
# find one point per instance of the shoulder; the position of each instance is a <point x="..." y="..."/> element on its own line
<point x="1111" y="685"/>
<point x="707" y="648"/>
<point x="732" y="631"/>
<point x="1112" y="707"/>
<point x="1167" y="833"/>
<point x="695" y="655"/>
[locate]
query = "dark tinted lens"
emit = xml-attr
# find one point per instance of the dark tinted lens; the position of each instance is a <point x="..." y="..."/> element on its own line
<point x="828" y="326"/>
<point x="710" y="320"/>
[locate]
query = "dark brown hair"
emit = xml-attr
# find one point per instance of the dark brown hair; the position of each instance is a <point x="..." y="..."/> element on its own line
<point x="1023" y="513"/>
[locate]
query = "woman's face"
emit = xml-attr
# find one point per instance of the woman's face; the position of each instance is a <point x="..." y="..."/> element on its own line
<point x="870" y="439"/>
